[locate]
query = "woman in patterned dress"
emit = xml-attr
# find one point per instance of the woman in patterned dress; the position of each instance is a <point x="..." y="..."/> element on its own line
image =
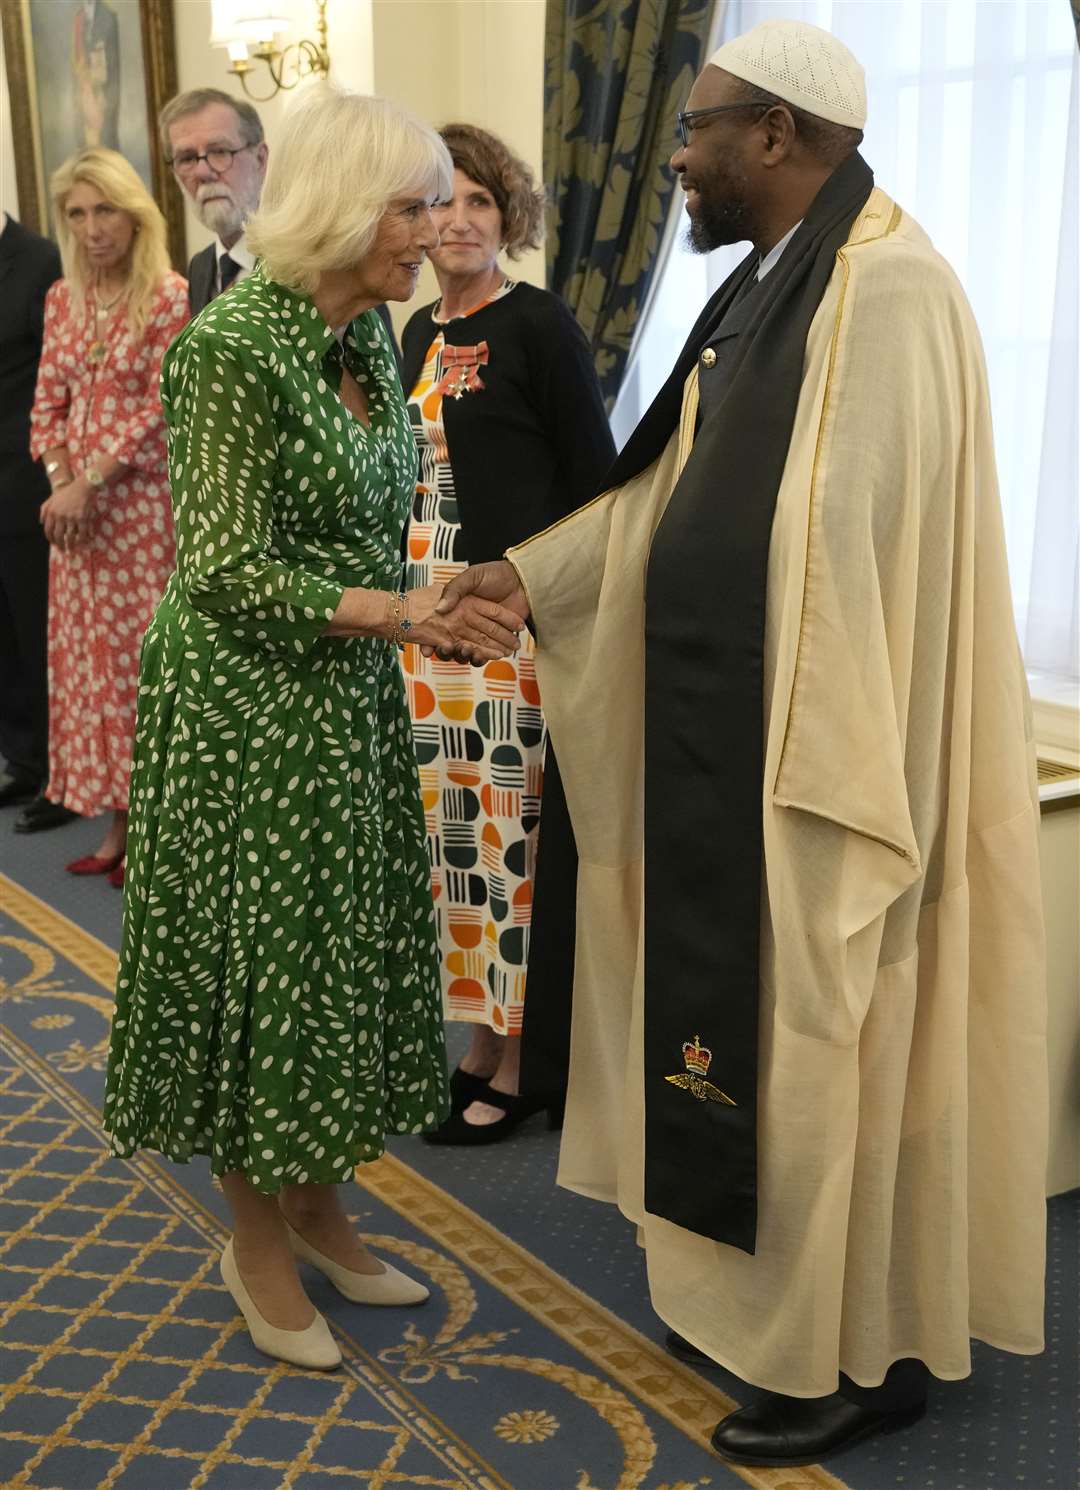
<point x="97" y="424"/>
<point x="277" y="997"/>
<point x="510" y="423"/>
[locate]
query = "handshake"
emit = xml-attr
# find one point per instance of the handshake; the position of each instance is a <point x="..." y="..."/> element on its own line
<point x="477" y="618"/>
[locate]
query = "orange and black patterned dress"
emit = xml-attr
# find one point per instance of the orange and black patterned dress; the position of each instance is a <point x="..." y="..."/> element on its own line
<point x="479" y="740"/>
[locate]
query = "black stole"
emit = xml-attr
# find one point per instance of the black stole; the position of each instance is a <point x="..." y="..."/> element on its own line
<point x="704" y="655"/>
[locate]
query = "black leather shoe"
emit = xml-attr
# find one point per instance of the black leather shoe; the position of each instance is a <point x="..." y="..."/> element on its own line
<point x="17" y="791"/>
<point x="516" y="1109"/>
<point x="41" y="815"/>
<point x="677" y="1346"/>
<point x="792" y="1430"/>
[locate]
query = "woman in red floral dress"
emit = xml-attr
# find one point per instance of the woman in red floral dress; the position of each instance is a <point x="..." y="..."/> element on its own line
<point x="98" y="425"/>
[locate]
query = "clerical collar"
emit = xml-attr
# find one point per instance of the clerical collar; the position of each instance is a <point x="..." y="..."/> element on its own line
<point x="772" y="258"/>
<point x="239" y="253"/>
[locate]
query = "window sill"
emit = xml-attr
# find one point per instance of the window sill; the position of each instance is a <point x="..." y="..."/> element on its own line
<point x="1055" y="703"/>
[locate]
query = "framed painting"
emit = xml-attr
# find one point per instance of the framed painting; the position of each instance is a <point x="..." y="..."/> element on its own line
<point x="90" y="72"/>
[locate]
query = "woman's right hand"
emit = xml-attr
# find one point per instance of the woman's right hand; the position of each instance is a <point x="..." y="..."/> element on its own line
<point x="476" y="630"/>
<point x="495" y="583"/>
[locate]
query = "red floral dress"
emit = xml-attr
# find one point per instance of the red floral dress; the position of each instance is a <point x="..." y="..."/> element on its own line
<point x="103" y="593"/>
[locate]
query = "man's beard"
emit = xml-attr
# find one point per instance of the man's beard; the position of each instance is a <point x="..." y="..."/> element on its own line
<point x="222" y="215"/>
<point x="721" y="217"/>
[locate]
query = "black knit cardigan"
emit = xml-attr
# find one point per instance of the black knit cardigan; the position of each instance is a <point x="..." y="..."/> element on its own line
<point x="533" y="443"/>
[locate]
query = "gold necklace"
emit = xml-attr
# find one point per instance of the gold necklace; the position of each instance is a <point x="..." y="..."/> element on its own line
<point x="104" y="306"/>
<point x="98" y="348"/>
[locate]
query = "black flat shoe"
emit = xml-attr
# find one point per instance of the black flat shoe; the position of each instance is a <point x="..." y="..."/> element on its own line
<point x="782" y="1431"/>
<point x="42" y="815"/>
<point x="517" y="1109"/>
<point x="466" y="1088"/>
<point x="675" y="1345"/>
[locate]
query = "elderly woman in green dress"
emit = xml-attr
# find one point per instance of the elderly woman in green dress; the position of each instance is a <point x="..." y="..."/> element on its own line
<point x="278" y="1004"/>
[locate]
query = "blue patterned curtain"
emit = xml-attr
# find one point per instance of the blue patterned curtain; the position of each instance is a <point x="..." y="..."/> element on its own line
<point x="616" y="74"/>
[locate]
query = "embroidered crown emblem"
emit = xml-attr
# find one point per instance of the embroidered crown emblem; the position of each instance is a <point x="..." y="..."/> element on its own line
<point x="698" y="1058"/>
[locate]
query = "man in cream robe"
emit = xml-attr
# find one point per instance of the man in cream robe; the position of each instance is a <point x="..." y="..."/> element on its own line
<point x="900" y="1096"/>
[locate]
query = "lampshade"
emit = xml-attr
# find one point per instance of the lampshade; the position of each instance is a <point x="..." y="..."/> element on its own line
<point x="259" y="21"/>
<point x="223" y="24"/>
<point x="246" y="22"/>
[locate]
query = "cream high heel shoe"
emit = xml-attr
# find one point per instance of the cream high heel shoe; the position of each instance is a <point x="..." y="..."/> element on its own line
<point x="314" y="1348"/>
<point x="387" y="1287"/>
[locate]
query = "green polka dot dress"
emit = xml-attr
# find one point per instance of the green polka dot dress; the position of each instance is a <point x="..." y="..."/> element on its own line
<point x="278" y="1001"/>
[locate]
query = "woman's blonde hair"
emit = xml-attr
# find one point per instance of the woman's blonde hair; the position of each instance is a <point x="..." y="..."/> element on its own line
<point x="118" y="182"/>
<point x="338" y="161"/>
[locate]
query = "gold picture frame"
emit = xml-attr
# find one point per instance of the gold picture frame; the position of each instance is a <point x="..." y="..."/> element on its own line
<point x="110" y="66"/>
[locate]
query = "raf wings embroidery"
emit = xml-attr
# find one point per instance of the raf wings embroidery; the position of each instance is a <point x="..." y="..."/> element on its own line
<point x="698" y="1059"/>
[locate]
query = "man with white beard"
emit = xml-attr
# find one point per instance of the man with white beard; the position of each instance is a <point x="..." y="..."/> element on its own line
<point x="216" y="147"/>
<point x="218" y="152"/>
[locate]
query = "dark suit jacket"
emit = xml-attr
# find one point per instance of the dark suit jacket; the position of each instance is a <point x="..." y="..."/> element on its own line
<point x="28" y="266"/>
<point x="202" y="280"/>
<point x="202" y="274"/>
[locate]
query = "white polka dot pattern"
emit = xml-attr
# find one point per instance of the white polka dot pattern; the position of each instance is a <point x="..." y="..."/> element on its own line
<point x="278" y="1003"/>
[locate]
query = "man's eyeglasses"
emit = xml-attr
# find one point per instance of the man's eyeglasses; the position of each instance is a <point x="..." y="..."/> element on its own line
<point x="687" y="120"/>
<point x="219" y="159"/>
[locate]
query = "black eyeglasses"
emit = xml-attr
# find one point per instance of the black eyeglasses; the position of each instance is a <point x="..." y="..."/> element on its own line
<point x="219" y="159"/>
<point x="687" y="120"/>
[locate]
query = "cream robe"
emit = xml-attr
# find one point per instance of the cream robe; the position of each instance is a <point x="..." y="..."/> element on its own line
<point x="902" y="1104"/>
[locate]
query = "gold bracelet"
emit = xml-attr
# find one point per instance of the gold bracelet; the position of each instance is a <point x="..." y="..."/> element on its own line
<point x="56" y="482"/>
<point x="397" y="617"/>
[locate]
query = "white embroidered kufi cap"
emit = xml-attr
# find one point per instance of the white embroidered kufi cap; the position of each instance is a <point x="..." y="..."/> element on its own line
<point x="801" y="64"/>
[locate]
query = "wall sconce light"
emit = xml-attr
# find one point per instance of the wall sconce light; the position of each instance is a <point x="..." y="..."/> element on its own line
<point x="252" y="26"/>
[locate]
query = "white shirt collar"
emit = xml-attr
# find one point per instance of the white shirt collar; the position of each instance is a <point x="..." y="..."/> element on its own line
<point x="772" y="258"/>
<point x="239" y="253"/>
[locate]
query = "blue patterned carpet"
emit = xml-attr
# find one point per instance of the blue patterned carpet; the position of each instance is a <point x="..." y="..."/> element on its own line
<point x="536" y="1365"/>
